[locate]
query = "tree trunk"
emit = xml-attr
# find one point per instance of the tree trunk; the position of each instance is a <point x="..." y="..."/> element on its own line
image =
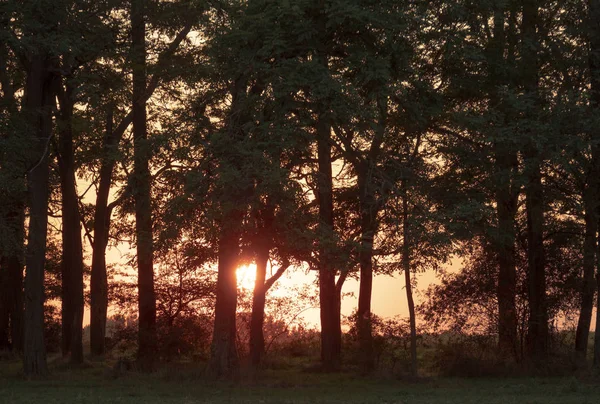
<point x="409" y="295"/>
<point x="13" y="209"/>
<point x="141" y="192"/>
<point x="506" y="198"/>
<point x="99" y="279"/>
<point x="537" y="338"/>
<point x="257" y="339"/>
<point x="328" y="301"/>
<point x="4" y="307"/>
<point x="368" y="218"/>
<point x="14" y="267"/>
<point x="589" y="265"/>
<point x="38" y="103"/>
<point x="224" y="362"/>
<point x="594" y="62"/>
<point x="72" y="249"/>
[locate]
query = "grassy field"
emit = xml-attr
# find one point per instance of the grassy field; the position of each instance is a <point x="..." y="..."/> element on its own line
<point x="97" y="384"/>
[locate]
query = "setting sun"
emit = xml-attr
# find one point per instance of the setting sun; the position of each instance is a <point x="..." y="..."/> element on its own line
<point x="246" y="275"/>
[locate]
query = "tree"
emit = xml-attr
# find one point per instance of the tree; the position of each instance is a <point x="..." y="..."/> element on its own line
<point x="591" y="212"/>
<point x="538" y="315"/>
<point x="141" y="190"/>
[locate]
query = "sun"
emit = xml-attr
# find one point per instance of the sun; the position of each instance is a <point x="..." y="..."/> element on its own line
<point x="246" y="274"/>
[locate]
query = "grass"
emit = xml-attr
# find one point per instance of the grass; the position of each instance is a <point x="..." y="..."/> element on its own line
<point x="180" y="384"/>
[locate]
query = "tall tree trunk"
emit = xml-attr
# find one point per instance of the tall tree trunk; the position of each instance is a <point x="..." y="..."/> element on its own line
<point x="594" y="62"/>
<point x="257" y="339"/>
<point x="38" y="103"/>
<point x="4" y="307"/>
<point x="506" y="198"/>
<point x="368" y="218"/>
<point x="72" y="249"/>
<point x="537" y="338"/>
<point x="142" y="179"/>
<point x="589" y="265"/>
<point x="13" y="204"/>
<point x="99" y="279"/>
<point x="328" y="301"/>
<point x="409" y="295"/>
<point x="224" y="362"/>
<point x="13" y="265"/>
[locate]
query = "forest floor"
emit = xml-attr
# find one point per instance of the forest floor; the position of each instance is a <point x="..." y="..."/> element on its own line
<point x="98" y="384"/>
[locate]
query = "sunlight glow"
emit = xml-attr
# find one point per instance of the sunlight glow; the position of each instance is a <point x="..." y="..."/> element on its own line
<point x="246" y="274"/>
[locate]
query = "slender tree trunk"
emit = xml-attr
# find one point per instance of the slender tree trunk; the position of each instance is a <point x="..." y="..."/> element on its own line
<point x="257" y="339"/>
<point x="409" y="295"/>
<point x="537" y="338"/>
<point x="368" y="218"/>
<point x="142" y="179"/>
<point x="11" y="276"/>
<point x="38" y="104"/>
<point x="506" y="205"/>
<point x="594" y="62"/>
<point x="589" y="265"/>
<point x="596" y="360"/>
<point x="4" y="307"/>
<point x="14" y="267"/>
<point x="72" y="248"/>
<point x="12" y="249"/>
<point x="224" y="362"/>
<point x="330" y="341"/>
<point x="99" y="278"/>
<point x="506" y="199"/>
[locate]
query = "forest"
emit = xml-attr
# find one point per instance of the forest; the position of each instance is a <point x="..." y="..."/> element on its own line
<point x="347" y="139"/>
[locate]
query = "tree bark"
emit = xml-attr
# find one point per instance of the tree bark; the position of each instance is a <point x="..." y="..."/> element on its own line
<point x="589" y="265"/>
<point x="4" y="308"/>
<point x="594" y="63"/>
<point x="537" y="338"/>
<point x="99" y="278"/>
<point x="257" y="339"/>
<point x="38" y="103"/>
<point x="141" y="192"/>
<point x="102" y="214"/>
<point x="330" y="340"/>
<point x="12" y="249"/>
<point x="368" y="224"/>
<point x="409" y="295"/>
<point x="72" y="248"/>
<point x="224" y="361"/>
<point x="506" y="163"/>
